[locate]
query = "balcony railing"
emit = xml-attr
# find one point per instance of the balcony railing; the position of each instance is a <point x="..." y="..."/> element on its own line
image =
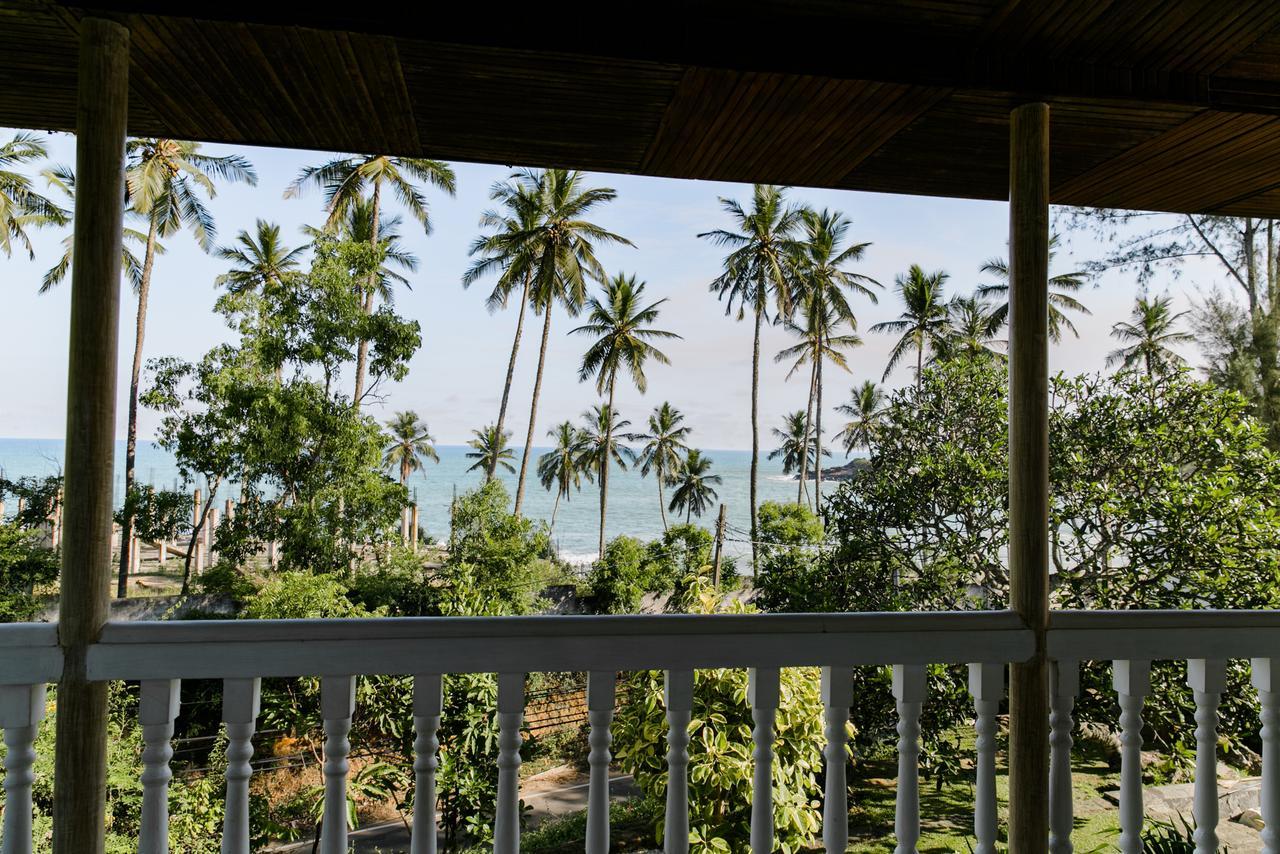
<point x="240" y="653"/>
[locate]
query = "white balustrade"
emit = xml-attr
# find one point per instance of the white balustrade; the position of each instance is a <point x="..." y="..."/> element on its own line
<point x="157" y="709"/>
<point x="1132" y="682"/>
<point x="428" y="702"/>
<point x="1064" y="684"/>
<point x="337" y="705"/>
<point x="678" y="697"/>
<point x="601" y="690"/>
<point x="763" y="692"/>
<point x="506" y="822"/>
<point x="21" y="711"/>
<point x="1207" y="678"/>
<point x="240" y="702"/>
<point x="837" y="697"/>
<point x="909" y="685"/>
<point x="1267" y="681"/>
<point x="986" y="686"/>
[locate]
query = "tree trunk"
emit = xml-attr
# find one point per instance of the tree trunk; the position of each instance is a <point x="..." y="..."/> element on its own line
<point x="817" y="442"/>
<point x="919" y="362"/>
<point x="80" y="762"/>
<point x="755" y="442"/>
<point x="533" y="410"/>
<point x="803" y="489"/>
<point x="362" y="353"/>
<point x="662" y="502"/>
<point x="604" y="463"/>
<point x="131" y="436"/>
<point x="555" y="508"/>
<point x="511" y="365"/>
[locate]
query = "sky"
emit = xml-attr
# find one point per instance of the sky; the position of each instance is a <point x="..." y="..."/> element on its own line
<point x="455" y="379"/>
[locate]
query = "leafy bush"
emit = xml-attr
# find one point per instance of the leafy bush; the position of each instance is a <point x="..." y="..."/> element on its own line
<point x="498" y="550"/>
<point x="629" y="569"/>
<point x="24" y="563"/>
<point x="720" y="763"/>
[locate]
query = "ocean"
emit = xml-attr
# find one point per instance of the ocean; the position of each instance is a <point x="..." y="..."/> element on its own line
<point x="633" y="500"/>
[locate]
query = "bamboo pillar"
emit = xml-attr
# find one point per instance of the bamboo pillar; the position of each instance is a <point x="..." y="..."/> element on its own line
<point x="81" y="761"/>
<point x="1029" y="472"/>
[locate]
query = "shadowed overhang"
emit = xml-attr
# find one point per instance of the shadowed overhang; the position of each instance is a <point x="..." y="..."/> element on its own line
<point x="1156" y="104"/>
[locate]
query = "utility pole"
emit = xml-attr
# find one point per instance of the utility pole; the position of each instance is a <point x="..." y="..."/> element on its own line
<point x="719" y="547"/>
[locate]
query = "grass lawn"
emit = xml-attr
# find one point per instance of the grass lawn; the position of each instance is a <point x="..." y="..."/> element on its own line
<point x="947" y="814"/>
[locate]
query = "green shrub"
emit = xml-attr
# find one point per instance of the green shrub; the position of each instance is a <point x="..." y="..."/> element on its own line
<point x="24" y="564"/>
<point x="498" y="550"/>
<point x="720" y="761"/>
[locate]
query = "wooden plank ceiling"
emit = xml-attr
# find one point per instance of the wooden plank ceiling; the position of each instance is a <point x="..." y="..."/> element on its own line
<point x="1156" y="104"/>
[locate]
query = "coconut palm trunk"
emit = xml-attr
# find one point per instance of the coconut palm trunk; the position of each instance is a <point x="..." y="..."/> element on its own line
<point x="511" y="363"/>
<point x="662" y="502"/>
<point x="803" y="489"/>
<point x="755" y="439"/>
<point x="817" y="439"/>
<point x="919" y="360"/>
<point x="533" y="409"/>
<point x="131" y="434"/>
<point x="362" y="353"/>
<point x="604" y="463"/>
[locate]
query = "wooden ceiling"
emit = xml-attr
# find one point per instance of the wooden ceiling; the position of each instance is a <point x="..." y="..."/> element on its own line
<point x="1156" y="104"/>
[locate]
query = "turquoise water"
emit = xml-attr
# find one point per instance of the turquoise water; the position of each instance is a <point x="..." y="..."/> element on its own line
<point x="633" y="500"/>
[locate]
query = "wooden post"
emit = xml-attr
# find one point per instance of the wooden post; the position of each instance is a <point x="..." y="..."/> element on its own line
<point x="413" y="528"/>
<point x="1029" y="472"/>
<point x="79" y="822"/>
<point x="719" y="547"/>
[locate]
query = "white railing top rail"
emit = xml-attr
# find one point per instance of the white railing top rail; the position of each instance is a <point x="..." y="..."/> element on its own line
<point x="1163" y="635"/>
<point x="243" y="648"/>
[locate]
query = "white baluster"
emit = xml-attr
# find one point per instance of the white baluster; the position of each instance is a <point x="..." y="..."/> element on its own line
<point x="601" y="688"/>
<point x="1268" y="685"/>
<point x="1064" y="683"/>
<point x="21" y="711"/>
<point x="240" y="701"/>
<point x="1132" y="682"/>
<point x="428" y="700"/>
<point x="910" y="682"/>
<point x="763" y="691"/>
<point x="506" y="823"/>
<point x="837" y="697"/>
<point x="337" y="705"/>
<point x="986" y="686"/>
<point x="156" y="711"/>
<point x="1207" y="678"/>
<point x="679" y="700"/>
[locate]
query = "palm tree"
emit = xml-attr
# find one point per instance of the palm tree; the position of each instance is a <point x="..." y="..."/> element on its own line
<point x="757" y="278"/>
<point x="972" y="326"/>
<point x="64" y="179"/>
<point x="695" y="491"/>
<point x="823" y="285"/>
<point x="410" y="443"/>
<point x="663" y="446"/>
<point x="490" y="450"/>
<point x="345" y="181"/>
<point x="1150" y="336"/>
<point x="818" y="343"/>
<point x="564" y="466"/>
<point x="164" y="179"/>
<point x="620" y="323"/>
<point x="21" y="208"/>
<point x="357" y="227"/>
<point x="864" y="411"/>
<point x="604" y="428"/>
<point x="261" y="265"/>
<point x="520" y="199"/>
<point x="562" y="254"/>
<point x="797" y="447"/>
<point x="1061" y="287"/>
<point x="923" y="323"/>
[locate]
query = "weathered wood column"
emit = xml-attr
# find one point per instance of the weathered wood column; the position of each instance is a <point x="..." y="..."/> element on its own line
<point x="80" y="769"/>
<point x="1029" y="471"/>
